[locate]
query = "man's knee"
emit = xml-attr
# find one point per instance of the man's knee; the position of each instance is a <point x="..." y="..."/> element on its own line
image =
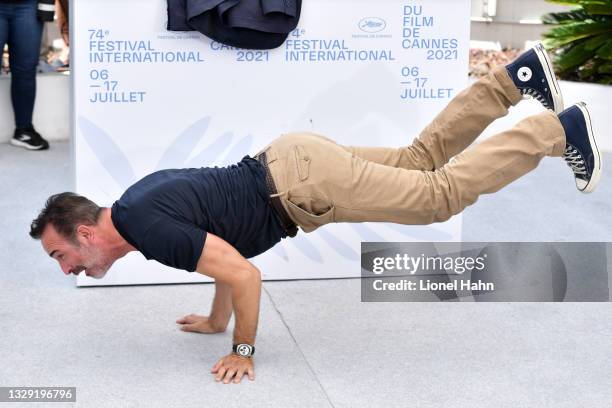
<point x="447" y="198"/>
<point x="418" y="155"/>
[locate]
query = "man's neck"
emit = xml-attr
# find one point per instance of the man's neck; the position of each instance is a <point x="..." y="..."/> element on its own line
<point x="116" y="244"/>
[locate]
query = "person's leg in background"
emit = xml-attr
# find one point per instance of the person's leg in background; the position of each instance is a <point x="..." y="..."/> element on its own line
<point x="5" y="15"/>
<point x="24" y="38"/>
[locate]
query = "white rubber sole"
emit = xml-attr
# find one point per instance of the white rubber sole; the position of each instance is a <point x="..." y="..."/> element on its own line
<point x="25" y="145"/>
<point x="592" y="184"/>
<point x="555" y="89"/>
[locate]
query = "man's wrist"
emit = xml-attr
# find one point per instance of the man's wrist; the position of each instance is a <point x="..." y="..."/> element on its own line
<point x="217" y="324"/>
<point x="243" y="349"/>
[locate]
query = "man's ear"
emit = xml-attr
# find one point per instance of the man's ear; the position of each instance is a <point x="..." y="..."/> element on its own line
<point x="84" y="232"/>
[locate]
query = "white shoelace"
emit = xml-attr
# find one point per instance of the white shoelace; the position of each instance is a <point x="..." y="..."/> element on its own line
<point x="536" y="95"/>
<point x="574" y="159"/>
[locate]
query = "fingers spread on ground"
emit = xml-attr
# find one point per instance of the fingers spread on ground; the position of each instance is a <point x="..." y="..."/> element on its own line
<point x="221" y="373"/>
<point x="228" y="376"/>
<point x="239" y="375"/>
<point x="215" y="368"/>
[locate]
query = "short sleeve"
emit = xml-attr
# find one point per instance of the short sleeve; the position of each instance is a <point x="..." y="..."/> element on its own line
<point x="174" y="243"/>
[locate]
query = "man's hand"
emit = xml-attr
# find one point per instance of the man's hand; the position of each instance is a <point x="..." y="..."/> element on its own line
<point x="233" y="366"/>
<point x="200" y="324"/>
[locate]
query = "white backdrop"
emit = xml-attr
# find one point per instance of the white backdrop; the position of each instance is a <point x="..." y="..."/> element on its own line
<point x="360" y="72"/>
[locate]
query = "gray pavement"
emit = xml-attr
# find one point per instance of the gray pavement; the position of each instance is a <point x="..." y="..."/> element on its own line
<point x="318" y="345"/>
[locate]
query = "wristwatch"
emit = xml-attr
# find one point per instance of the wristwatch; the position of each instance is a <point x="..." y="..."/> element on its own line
<point x="243" y="349"/>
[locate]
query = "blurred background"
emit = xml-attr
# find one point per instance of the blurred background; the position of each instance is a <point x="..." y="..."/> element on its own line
<point x="577" y="32"/>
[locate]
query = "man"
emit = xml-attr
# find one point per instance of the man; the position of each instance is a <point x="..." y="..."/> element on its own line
<point x="210" y="220"/>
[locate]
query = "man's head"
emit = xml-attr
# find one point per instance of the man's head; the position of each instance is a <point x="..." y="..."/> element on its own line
<point x="68" y="228"/>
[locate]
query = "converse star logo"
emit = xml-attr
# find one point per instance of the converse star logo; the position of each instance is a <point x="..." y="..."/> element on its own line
<point x="524" y="74"/>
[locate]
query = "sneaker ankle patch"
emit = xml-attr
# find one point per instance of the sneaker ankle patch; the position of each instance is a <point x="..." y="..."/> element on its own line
<point x="524" y="74"/>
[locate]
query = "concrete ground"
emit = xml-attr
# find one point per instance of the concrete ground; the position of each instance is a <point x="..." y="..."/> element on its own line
<point x="317" y="344"/>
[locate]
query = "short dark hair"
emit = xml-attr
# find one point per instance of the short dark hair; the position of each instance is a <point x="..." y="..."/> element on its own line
<point x="65" y="211"/>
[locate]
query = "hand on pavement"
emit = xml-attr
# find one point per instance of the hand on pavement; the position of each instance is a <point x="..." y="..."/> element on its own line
<point x="233" y="367"/>
<point x="200" y="324"/>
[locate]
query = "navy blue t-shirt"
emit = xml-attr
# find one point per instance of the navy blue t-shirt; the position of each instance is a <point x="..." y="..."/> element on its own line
<point x="167" y="214"/>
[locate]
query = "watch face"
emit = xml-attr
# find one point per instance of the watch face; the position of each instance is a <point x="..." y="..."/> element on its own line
<point x="244" y="350"/>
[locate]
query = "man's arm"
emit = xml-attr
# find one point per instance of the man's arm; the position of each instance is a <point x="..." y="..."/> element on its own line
<point x="219" y="317"/>
<point x="221" y="310"/>
<point x="226" y="265"/>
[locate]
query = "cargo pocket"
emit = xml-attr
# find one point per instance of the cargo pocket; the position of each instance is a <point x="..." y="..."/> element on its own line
<point x="306" y="219"/>
<point x="302" y="160"/>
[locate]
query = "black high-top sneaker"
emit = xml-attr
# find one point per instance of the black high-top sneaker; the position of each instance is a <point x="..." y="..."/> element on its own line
<point x="29" y="139"/>
<point x="534" y="77"/>
<point x="581" y="152"/>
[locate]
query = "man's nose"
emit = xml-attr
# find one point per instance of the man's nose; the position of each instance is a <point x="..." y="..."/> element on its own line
<point x="65" y="268"/>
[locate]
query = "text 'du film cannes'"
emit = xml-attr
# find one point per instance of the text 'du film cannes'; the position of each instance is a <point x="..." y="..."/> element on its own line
<point x="486" y="271"/>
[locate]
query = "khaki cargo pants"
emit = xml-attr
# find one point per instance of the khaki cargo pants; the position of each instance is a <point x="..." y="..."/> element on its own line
<point x="320" y="181"/>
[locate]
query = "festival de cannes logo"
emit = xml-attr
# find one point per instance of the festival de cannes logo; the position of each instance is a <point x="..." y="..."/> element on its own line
<point x="372" y="24"/>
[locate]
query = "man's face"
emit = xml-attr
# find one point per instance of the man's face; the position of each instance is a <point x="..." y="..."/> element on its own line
<point x="85" y="255"/>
